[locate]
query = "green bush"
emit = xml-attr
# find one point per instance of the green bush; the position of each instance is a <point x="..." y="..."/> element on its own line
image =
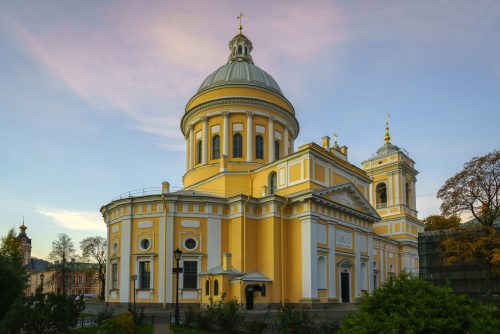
<point x="410" y="305"/>
<point x="121" y="324"/>
<point x="257" y="327"/>
<point x="226" y="315"/>
<point x="189" y="317"/>
<point x="295" y="321"/>
<point x="104" y="315"/>
<point x="41" y="313"/>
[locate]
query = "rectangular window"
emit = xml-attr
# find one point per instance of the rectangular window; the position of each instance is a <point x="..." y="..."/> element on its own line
<point x="144" y="275"/>
<point x="80" y="280"/>
<point x="114" y="276"/>
<point x="190" y="275"/>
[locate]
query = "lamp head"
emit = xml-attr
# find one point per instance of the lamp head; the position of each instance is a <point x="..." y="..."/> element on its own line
<point x="177" y="254"/>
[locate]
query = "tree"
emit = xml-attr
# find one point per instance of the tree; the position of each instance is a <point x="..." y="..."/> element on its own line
<point x="62" y="251"/>
<point x="42" y="313"/>
<point x="11" y="247"/>
<point x="438" y="222"/>
<point x="96" y="248"/>
<point x="410" y="305"/>
<point x="476" y="190"/>
<point x="12" y="275"/>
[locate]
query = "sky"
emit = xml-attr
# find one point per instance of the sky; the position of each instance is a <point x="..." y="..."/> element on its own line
<point x="92" y="92"/>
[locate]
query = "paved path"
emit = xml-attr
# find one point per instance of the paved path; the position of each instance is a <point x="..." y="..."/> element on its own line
<point x="161" y="329"/>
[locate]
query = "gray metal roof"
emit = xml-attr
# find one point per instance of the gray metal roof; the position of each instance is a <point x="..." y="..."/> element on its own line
<point x="240" y="73"/>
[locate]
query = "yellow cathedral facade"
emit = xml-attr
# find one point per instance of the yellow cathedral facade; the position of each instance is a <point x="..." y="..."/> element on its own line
<point x="259" y="220"/>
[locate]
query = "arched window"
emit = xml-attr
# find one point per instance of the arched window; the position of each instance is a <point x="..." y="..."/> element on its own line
<point x="237" y="145"/>
<point x="245" y="50"/>
<point x="407" y="194"/>
<point x="276" y="150"/>
<point x="198" y="151"/>
<point x="216" y="147"/>
<point x="259" y="147"/>
<point x="216" y="288"/>
<point x="381" y="197"/>
<point x="239" y="49"/>
<point x="322" y="273"/>
<point x="207" y="287"/>
<point x="273" y="181"/>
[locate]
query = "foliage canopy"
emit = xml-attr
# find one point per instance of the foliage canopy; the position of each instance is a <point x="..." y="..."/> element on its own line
<point x="410" y="305"/>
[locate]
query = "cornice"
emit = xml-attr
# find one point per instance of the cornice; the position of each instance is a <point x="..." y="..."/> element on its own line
<point x="290" y="117"/>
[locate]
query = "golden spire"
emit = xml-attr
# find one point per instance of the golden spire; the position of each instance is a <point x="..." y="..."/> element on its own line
<point x="387" y="137"/>
<point x="239" y="17"/>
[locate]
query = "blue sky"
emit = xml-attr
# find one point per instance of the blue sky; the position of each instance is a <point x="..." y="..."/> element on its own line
<point x="92" y="92"/>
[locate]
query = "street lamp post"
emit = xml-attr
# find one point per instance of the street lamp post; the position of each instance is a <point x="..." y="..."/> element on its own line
<point x="133" y="278"/>
<point x="177" y="271"/>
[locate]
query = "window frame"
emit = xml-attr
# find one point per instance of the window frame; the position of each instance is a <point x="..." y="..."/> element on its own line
<point x="259" y="147"/>
<point x="189" y="276"/>
<point x="215" y="148"/>
<point x="237" y="145"/>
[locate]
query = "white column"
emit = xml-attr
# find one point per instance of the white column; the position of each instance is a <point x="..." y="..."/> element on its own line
<point x="204" y="156"/>
<point x="397" y="197"/>
<point x="357" y="250"/>
<point x="188" y="153"/>
<point x="403" y="191"/>
<point x="161" y="259"/>
<point x="225" y="146"/>
<point x="191" y="147"/>
<point x="214" y="243"/>
<point x="382" y="265"/>
<point x="413" y="195"/>
<point x="125" y="259"/>
<point x="370" y="194"/>
<point x="249" y="136"/>
<point x="285" y="139"/>
<point x="309" y="258"/>
<point x="370" y="263"/>
<point x="169" y="251"/>
<point x="389" y="190"/>
<point x="332" y="267"/>
<point x="108" y="266"/>
<point x="271" y="138"/>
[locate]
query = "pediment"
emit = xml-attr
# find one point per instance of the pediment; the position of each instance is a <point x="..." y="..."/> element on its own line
<point x="349" y="196"/>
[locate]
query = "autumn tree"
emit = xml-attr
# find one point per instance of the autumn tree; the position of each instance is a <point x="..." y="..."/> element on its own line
<point x="62" y="251"/>
<point x="96" y="248"/>
<point x="438" y="222"/>
<point x="475" y="190"/>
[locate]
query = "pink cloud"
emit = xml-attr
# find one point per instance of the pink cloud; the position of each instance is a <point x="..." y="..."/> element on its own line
<point x="146" y="60"/>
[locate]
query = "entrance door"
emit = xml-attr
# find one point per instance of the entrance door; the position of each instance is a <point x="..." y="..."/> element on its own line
<point x="344" y="287"/>
<point x="249" y="295"/>
<point x="249" y="298"/>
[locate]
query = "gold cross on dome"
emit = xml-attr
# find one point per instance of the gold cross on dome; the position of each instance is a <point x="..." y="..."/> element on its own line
<point x="239" y="17"/>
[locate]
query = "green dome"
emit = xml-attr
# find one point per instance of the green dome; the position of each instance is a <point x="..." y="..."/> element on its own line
<point x="240" y="73"/>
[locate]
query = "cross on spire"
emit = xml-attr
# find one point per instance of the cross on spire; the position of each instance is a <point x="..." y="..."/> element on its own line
<point x="239" y="17"/>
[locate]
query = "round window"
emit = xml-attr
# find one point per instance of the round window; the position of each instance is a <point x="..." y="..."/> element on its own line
<point x="145" y="243"/>
<point x="190" y="243"/>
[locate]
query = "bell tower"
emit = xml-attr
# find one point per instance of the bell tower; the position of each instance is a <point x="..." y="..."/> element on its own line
<point x="392" y="192"/>
<point x="25" y="244"/>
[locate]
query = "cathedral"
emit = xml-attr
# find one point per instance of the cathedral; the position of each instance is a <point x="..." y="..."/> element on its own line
<point x="259" y="219"/>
